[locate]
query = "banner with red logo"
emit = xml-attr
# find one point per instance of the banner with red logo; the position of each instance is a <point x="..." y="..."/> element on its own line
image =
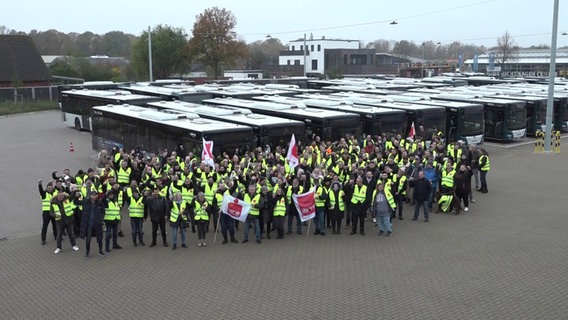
<point x="235" y="208"/>
<point x="207" y="153"/>
<point x="306" y="205"/>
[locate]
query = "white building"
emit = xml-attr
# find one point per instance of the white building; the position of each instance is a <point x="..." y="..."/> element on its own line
<point x="315" y="53"/>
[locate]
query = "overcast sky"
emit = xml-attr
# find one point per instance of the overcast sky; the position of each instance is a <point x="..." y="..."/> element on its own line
<point x="478" y="22"/>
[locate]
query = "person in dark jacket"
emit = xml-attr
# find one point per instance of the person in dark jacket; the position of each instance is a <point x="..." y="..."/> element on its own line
<point x="157" y="207"/>
<point x="462" y="181"/>
<point x="92" y="222"/>
<point x="422" y="188"/>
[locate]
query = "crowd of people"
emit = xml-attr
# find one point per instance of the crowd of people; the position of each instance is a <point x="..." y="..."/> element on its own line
<point x="354" y="179"/>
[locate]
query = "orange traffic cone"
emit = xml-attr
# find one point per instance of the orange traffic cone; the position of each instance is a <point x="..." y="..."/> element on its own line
<point x="71" y="149"/>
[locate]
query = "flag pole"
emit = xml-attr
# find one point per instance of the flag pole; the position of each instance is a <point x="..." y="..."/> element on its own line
<point x="309" y="225"/>
<point x="217" y="226"/>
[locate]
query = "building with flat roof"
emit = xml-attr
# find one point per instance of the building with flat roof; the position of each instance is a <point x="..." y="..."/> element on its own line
<point x="523" y="63"/>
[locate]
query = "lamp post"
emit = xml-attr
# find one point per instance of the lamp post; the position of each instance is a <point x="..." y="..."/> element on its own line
<point x="305" y="54"/>
<point x="150" y="53"/>
<point x="422" y="63"/>
<point x="551" y="79"/>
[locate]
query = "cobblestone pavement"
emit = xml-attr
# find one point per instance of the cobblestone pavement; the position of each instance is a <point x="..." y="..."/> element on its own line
<point x="504" y="259"/>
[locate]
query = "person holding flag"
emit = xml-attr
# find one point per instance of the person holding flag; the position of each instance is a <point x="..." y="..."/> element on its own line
<point x="207" y="153"/>
<point x="253" y="218"/>
<point x="292" y="155"/>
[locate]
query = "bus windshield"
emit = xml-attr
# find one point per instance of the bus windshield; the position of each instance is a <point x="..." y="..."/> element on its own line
<point x="517" y="118"/>
<point x="434" y="121"/>
<point x="472" y="122"/>
<point x="393" y="124"/>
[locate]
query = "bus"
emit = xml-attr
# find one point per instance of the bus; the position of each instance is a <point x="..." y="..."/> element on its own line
<point x="76" y="105"/>
<point x="464" y="120"/>
<point x="187" y="94"/>
<point x="329" y="125"/>
<point x="149" y="130"/>
<point x="267" y="130"/>
<point x="375" y="120"/>
<point x="536" y="111"/>
<point x="505" y="120"/>
<point x="431" y="118"/>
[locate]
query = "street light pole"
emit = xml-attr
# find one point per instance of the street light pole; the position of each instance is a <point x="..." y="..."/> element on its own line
<point x="305" y="54"/>
<point x="551" y="76"/>
<point x="150" y="53"/>
<point x="422" y="63"/>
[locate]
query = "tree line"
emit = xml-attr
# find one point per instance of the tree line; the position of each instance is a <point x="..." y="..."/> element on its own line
<point x="213" y="45"/>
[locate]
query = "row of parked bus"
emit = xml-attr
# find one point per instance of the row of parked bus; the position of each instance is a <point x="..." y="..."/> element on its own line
<point x="245" y="116"/>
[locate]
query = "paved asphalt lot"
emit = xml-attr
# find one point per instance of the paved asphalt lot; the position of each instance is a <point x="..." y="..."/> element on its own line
<point x="507" y="258"/>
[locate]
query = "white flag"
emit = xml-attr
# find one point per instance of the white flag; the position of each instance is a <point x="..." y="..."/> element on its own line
<point x="235" y="208"/>
<point x="207" y="153"/>
<point x="292" y="155"/>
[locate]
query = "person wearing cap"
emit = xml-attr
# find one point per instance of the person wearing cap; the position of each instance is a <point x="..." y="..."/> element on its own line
<point x="382" y="208"/>
<point x="92" y="222"/>
<point x="46" y="196"/>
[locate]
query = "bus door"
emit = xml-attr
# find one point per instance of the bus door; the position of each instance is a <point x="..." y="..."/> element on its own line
<point x="85" y="113"/>
<point x="531" y="118"/>
<point x="129" y="136"/>
<point x="452" y="126"/>
<point x="494" y="123"/>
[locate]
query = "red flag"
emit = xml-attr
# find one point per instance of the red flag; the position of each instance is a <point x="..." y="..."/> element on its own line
<point x="412" y="131"/>
<point x="292" y="155"/>
<point x="306" y="205"/>
<point x="207" y="153"/>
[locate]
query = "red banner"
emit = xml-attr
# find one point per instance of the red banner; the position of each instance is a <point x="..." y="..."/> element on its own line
<point x="306" y="205"/>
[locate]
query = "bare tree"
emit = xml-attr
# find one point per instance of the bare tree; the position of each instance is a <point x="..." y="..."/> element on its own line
<point x="506" y="48"/>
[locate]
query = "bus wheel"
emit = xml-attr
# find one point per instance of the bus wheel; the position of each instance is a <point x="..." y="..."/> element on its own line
<point x="77" y="124"/>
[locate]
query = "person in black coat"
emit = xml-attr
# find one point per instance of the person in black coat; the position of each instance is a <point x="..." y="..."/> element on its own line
<point x="462" y="181"/>
<point x="157" y="208"/>
<point x="92" y="222"/>
<point x="422" y="188"/>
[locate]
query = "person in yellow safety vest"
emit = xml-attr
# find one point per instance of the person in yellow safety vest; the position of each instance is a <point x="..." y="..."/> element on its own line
<point x="226" y="221"/>
<point x="399" y="187"/>
<point x="253" y="198"/>
<point x="111" y="218"/>
<point x="209" y="189"/>
<point x="62" y="209"/>
<point x="455" y="152"/>
<point x="359" y="206"/>
<point x="123" y="174"/>
<point x="178" y="219"/>
<point x="199" y="209"/>
<point x="136" y="212"/>
<point x="280" y="206"/>
<point x="46" y="196"/>
<point x="382" y="207"/>
<point x="295" y="188"/>
<point x="320" y="197"/>
<point x="335" y="203"/>
<point x="484" y="167"/>
<point x="447" y="183"/>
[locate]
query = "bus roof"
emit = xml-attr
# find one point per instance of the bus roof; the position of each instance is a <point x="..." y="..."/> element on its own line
<point x="474" y="98"/>
<point x="185" y="120"/>
<point x="161" y="90"/>
<point x="118" y="95"/>
<point x="345" y="104"/>
<point x="231" y="113"/>
<point x="411" y="106"/>
<point x="283" y="106"/>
